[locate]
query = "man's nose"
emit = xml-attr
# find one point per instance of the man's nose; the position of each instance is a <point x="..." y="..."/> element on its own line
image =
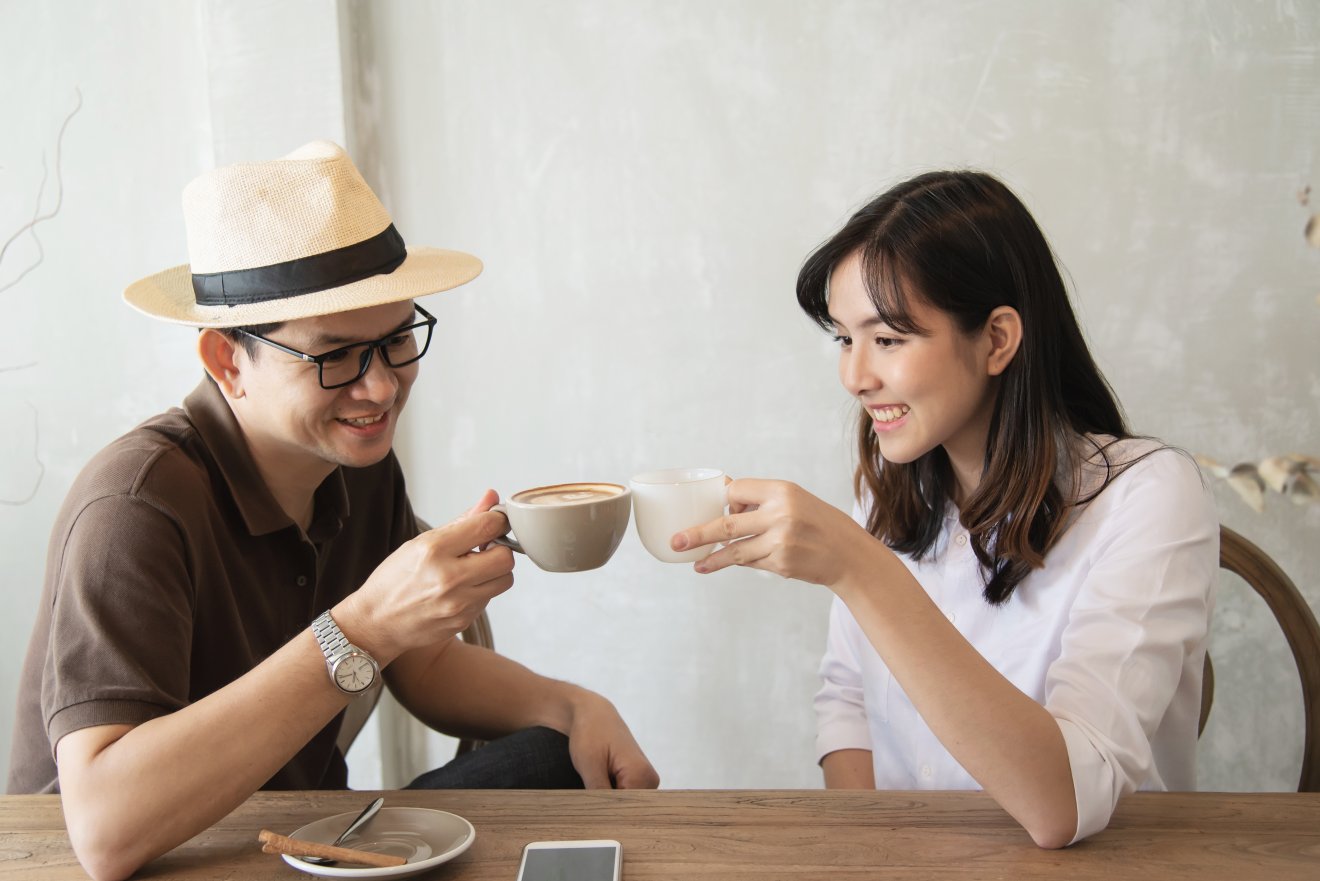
<point x="379" y="382"/>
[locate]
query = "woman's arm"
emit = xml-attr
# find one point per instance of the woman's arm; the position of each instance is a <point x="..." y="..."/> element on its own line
<point x="848" y="769"/>
<point x="1009" y="743"/>
<point x="1140" y="587"/>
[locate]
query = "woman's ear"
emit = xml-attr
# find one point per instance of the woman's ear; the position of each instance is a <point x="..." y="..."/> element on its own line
<point x="1004" y="330"/>
<point x="220" y="358"/>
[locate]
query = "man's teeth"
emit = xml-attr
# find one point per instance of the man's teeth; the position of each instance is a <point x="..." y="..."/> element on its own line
<point x="364" y="420"/>
<point x="889" y="414"/>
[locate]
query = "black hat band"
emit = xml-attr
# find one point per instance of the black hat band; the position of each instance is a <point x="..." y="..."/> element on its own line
<point x="379" y="255"/>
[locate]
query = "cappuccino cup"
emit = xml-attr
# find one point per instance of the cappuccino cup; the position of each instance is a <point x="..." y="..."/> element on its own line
<point x="672" y="500"/>
<point x="568" y="527"/>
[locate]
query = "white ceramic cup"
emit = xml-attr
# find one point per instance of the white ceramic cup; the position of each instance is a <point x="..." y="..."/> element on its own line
<point x="669" y="501"/>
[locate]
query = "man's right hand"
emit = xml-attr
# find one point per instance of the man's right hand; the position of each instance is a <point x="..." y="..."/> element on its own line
<point x="431" y="588"/>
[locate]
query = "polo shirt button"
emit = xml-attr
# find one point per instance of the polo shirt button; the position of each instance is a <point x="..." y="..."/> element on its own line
<point x="302" y="580"/>
<point x="925" y="772"/>
<point x="961" y="539"/>
<point x="953" y="616"/>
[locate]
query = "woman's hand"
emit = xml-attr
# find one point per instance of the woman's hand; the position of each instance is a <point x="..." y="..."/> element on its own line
<point x="781" y="528"/>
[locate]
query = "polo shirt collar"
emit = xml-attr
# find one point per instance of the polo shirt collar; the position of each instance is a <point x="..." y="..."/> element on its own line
<point x="215" y="422"/>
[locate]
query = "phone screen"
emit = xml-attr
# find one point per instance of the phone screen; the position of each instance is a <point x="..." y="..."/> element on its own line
<point x="569" y="863"/>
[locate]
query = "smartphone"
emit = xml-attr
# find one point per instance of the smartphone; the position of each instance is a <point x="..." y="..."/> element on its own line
<point x="571" y="861"/>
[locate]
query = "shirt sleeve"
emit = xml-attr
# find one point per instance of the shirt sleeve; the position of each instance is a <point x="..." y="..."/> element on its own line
<point x="841" y="721"/>
<point x="1141" y="613"/>
<point x="121" y="620"/>
<point x="841" y="703"/>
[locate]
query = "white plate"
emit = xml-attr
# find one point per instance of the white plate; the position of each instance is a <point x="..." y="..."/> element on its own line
<point x="423" y="837"/>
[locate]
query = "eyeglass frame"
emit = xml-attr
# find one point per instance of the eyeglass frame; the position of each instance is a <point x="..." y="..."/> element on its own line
<point x="364" y="364"/>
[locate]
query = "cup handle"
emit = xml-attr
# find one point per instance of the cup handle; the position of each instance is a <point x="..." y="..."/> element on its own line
<point x="507" y="540"/>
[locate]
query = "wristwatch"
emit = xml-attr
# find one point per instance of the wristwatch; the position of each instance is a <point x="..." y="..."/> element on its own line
<point x="351" y="669"/>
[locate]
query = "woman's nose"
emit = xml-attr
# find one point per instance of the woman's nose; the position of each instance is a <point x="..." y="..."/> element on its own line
<point x="855" y="372"/>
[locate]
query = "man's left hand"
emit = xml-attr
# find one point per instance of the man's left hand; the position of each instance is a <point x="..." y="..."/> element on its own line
<point x="603" y="750"/>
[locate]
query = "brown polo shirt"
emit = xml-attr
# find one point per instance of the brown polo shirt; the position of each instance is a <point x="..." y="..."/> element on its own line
<point x="172" y="572"/>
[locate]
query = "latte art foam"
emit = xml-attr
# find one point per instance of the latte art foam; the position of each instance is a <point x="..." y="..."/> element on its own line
<point x="568" y="494"/>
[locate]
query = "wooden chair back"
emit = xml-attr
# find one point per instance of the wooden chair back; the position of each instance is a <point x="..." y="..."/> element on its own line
<point x="1240" y="556"/>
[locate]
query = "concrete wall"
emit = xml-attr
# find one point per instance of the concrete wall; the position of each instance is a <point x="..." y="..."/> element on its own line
<point x="153" y="93"/>
<point x="643" y="181"/>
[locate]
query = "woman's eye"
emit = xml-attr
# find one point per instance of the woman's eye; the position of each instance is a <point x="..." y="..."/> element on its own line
<point x="334" y="357"/>
<point x="844" y="341"/>
<point x="887" y="342"/>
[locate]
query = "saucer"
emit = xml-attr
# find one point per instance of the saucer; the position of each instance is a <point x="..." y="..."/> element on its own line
<point x="422" y="836"/>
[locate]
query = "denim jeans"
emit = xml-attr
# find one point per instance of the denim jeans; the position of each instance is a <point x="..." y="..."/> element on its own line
<point x="534" y="758"/>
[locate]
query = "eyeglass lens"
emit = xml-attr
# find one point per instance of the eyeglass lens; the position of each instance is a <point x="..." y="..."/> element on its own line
<point x="344" y="366"/>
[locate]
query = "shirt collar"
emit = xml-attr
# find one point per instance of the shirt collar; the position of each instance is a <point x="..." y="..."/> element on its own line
<point x="210" y="413"/>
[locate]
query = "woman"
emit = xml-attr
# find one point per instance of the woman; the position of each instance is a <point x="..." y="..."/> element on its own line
<point x="1023" y="594"/>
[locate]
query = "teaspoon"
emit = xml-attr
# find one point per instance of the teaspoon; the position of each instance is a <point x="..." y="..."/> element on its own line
<point x="367" y="813"/>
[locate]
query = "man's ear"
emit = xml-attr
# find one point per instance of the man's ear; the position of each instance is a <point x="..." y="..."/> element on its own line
<point x="221" y="358"/>
<point x="1004" y="330"/>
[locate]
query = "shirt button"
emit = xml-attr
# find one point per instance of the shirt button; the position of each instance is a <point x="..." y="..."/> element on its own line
<point x="961" y="539"/>
<point x="925" y="772"/>
<point x="952" y="616"/>
<point x="302" y="580"/>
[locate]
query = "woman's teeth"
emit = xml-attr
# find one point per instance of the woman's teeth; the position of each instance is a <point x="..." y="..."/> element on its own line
<point x="889" y="414"/>
<point x="364" y="420"/>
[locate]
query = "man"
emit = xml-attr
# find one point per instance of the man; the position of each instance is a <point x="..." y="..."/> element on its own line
<point x="226" y="578"/>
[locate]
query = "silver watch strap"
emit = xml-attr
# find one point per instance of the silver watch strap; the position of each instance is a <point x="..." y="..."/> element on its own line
<point x="329" y="637"/>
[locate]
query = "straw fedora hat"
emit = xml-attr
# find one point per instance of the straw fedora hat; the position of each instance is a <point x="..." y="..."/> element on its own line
<point x="300" y="236"/>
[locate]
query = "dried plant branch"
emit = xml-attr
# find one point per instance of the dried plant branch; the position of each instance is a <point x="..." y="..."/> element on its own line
<point x="37" y="217"/>
<point x="1294" y="476"/>
<point x="30" y="228"/>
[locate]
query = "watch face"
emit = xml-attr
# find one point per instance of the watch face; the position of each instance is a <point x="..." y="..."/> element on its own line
<point x="354" y="673"/>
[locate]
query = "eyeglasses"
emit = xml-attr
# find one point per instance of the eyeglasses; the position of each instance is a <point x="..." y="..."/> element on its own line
<point x="347" y="364"/>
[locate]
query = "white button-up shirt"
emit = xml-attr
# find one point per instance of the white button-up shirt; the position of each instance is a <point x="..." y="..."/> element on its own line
<point x="1109" y="637"/>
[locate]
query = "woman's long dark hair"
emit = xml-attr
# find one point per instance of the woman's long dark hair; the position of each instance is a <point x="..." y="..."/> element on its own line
<point x="962" y="242"/>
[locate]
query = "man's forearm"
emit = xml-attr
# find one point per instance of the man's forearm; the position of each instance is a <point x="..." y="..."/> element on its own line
<point x="470" y="691"/>
<point x="131" y="794"/>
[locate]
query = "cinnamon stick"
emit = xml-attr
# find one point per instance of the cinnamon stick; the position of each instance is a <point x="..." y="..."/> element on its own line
<point x="273" y="842"/>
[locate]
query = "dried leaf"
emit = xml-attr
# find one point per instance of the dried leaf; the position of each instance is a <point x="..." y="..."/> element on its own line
<point x="1308" y="463"/>
<point x="1303" y="490"/>
<point x="1211" y="465"/>
<point x="1276" y="471"/>
<point x="1244" y="479"/>
<point x="1313" y="231"/>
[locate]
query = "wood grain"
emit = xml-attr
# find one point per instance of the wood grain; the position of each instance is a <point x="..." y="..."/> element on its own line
<point x="712" y="834"/>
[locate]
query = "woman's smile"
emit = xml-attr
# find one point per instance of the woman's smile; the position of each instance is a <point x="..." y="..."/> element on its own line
<point x="887" y="417"/>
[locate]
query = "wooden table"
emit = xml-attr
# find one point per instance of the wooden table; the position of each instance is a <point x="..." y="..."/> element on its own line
<point x="746" y="835"/>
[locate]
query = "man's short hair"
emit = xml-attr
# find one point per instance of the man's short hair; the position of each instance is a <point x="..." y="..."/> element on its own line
<point x="240" y="336"/>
